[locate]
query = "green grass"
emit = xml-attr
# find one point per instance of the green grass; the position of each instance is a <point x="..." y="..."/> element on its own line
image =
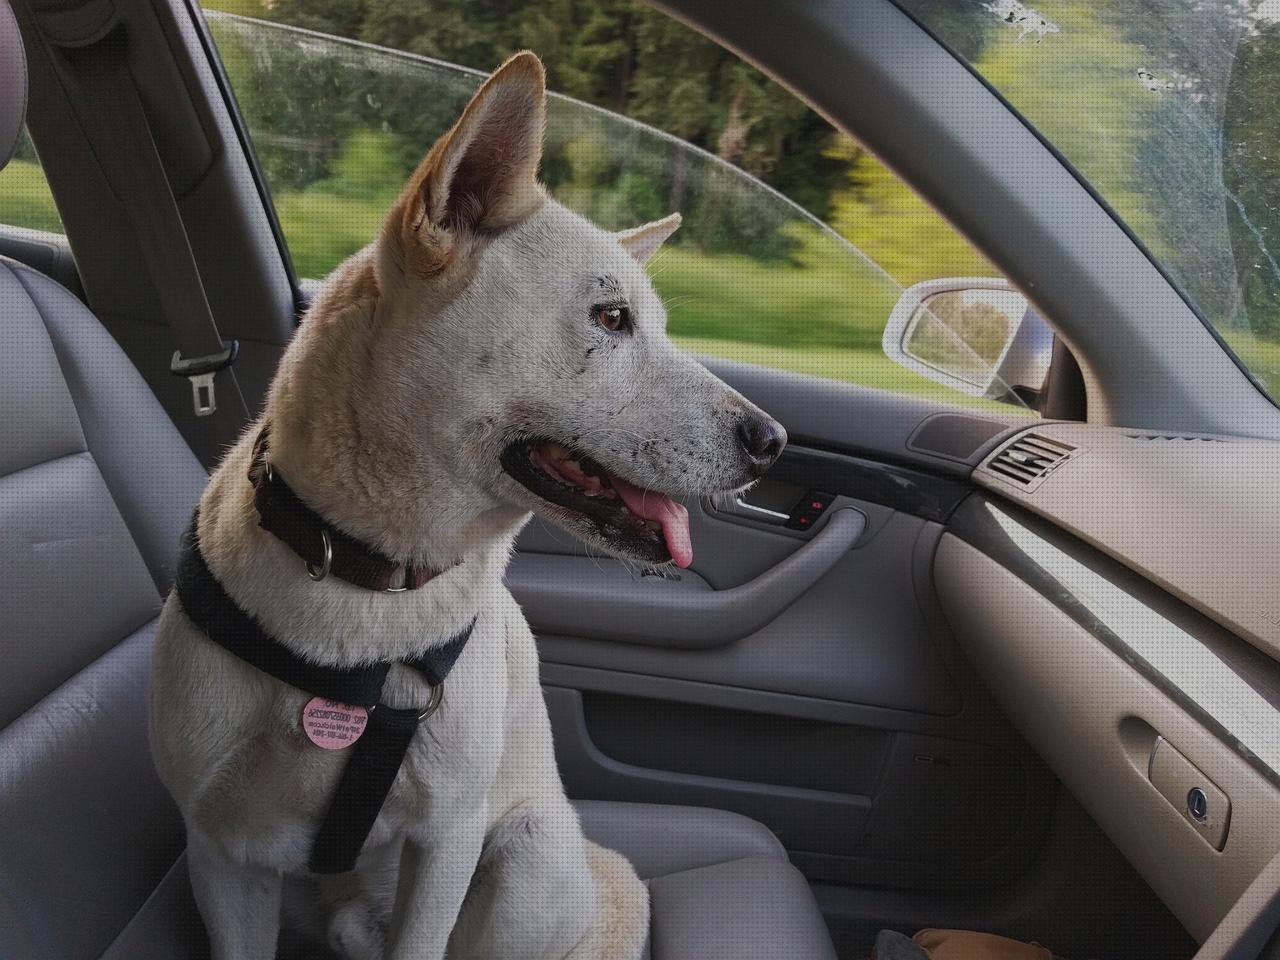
<point x="242" y="8"/>
<point x="25" y="200"/>
<point x="864" y="367"/>
<point x="823" y="295"/>
<point x="323" y="230"/>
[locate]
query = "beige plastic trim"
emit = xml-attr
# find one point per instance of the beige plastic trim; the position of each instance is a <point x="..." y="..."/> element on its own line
<point x="1094" y="718"/>
<point x="1199" y="516"/>
<point x="1250" y="925"/>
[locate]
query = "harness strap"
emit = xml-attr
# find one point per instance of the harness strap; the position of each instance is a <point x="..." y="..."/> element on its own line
<point x="376" y="757"/>
<point x="375" y="761"/>
<point x="210" y="608"/>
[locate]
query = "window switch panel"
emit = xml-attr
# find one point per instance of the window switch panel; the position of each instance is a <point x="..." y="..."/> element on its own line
<point x="808" y="509"/>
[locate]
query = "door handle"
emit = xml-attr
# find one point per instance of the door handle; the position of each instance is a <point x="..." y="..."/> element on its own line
<point x="583" y="597"/>
<point x="740" y="508"/>
<point x="804" y="513"/>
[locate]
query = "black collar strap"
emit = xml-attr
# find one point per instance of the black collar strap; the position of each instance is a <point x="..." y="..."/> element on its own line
<point x="376" y="756"/>
<point x="323" y="547"/>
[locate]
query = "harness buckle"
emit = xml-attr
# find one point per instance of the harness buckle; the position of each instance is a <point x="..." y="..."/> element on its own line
<point x="200" y="371"/>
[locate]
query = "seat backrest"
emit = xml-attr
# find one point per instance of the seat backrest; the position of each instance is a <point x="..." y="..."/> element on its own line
<point x="96" y="485"/>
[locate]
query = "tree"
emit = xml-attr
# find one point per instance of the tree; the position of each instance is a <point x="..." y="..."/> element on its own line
<point x="617" y="54"/>
<point x="1251" y="141"/>
<point x="882" y="217"/>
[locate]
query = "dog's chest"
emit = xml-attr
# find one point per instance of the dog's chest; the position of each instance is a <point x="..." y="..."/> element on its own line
<point x="279" y="783"/>
<point x="455" y="753"/>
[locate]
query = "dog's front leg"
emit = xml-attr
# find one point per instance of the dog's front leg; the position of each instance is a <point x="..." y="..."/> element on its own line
<point x="435" y="873"/>
<point x="240" y="902"/>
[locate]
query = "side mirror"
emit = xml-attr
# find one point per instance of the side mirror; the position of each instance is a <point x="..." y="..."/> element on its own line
<point x="977" y="335"/>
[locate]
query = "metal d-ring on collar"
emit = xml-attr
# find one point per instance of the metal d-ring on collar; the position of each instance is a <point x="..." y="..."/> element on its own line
<point x="327" y="562"/>
<point x="284" y="514"/>
<point x="323" y="572"/>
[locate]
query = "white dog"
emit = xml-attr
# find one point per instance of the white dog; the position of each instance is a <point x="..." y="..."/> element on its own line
<point x="490" y="354"/>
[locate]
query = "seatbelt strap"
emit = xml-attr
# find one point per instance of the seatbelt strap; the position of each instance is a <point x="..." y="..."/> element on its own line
<point x="127" y="153"/>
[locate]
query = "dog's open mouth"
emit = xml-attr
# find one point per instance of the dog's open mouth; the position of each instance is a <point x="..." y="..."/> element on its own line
<point x="635" y="520"/>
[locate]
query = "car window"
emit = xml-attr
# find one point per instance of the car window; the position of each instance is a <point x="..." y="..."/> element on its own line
<point x="25" y="199"/>
<point x="796" y="243"/>
<point x="1171" y="110"/>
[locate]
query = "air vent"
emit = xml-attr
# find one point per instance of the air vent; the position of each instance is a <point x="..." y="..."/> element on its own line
<point x="1170" y="436"/>
<point x="1028" y="459"/>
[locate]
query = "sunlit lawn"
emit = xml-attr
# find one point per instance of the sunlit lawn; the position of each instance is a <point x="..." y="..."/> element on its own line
<point x="25" y="200"/>
<point x="822" y="294"/>
<point x="866" y="368"/>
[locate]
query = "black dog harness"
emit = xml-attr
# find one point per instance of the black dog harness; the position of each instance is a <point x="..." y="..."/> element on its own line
<point x="378" y="753"/>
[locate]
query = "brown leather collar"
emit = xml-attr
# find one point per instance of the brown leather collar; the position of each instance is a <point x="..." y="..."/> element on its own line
<point x="323" y="547"/>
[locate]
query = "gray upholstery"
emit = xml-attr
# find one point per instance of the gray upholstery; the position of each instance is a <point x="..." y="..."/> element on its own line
<point x="96" y="486"/>
<point x="88" y="831"/>
<point x="659" y="839"/>
<point x="757" y="908"/>
<point x="731" y="896"/>
<point x="13" y="83"/>
<point x="720" y="885"/>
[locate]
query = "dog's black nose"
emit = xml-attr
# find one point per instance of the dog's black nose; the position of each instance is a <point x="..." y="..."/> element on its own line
<point x="762" y="439"/>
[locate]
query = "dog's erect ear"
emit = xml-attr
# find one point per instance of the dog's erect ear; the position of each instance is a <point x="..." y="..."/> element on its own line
<point x="482" y="174"/>
<point x="643" y="242"/>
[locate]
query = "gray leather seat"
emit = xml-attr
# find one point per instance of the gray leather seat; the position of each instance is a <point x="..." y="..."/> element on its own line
<point x="95" y="487"/>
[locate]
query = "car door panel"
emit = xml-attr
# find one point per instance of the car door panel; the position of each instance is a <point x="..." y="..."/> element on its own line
<point x="846" y="720"/>
<point x="855" y="636"/>
<point x="606" y="600"/>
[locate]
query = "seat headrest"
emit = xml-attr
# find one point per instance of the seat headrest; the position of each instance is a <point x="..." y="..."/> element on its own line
<point x="13" y="82"/>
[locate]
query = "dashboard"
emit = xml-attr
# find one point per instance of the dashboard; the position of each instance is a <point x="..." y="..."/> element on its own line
<point x="1119" y="592"/>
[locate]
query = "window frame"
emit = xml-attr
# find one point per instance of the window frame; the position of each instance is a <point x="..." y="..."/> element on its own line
<point x="301" y="299"/>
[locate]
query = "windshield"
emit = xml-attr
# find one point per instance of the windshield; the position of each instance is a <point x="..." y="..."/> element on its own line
<point x="1171" y="110"/>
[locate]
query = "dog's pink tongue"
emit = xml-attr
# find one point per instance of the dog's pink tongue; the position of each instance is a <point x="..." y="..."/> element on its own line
<point x="674" y="517"/>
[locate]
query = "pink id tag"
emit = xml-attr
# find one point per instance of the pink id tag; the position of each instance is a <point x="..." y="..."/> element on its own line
<point x="331" y="724"/>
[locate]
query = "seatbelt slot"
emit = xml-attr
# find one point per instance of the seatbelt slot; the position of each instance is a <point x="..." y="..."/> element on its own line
<point x="200" y="371"/>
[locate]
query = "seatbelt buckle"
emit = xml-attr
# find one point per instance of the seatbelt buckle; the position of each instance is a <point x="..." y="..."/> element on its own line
<point x="200" y="371"/>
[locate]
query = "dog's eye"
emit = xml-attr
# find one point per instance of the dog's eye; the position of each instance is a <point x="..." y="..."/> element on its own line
<point x="612" y="318"/>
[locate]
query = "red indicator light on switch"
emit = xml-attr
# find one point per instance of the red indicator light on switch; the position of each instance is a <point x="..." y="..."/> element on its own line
<point x="816" y="504"/>
<point x="804" y="520"/>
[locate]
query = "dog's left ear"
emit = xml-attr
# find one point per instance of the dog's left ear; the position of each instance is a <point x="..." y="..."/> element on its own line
<point x="643" y="242"/>
<point x="482" y="174"/>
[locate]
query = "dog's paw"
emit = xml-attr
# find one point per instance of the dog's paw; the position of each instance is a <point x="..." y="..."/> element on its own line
<point x="355" y="933"/>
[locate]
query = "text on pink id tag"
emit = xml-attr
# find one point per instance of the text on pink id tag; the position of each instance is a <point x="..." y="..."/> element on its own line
<point x="331" y="724"/>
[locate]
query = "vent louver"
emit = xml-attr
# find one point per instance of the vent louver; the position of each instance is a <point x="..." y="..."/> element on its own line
<point x="1172" y="436"/>
<point x="1027" y="460"/>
